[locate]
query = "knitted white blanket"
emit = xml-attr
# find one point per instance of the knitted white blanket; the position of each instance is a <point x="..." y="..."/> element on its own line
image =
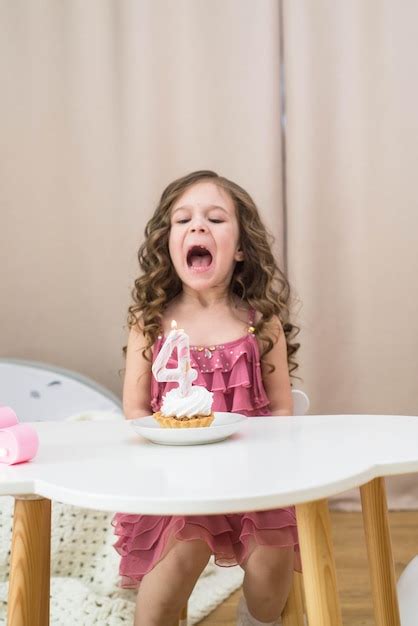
<point x="84" y="571"/>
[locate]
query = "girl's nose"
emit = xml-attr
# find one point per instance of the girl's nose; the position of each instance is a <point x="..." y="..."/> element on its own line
<point x="197" y="227"/>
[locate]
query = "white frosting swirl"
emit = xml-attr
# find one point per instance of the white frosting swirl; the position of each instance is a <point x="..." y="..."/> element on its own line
<point x="197" y="402"/>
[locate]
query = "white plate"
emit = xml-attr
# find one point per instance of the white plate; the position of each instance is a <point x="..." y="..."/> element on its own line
<point x="224" y="425"/>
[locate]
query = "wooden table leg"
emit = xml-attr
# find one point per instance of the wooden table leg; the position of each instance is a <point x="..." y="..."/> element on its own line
<point x="28" y="603"/>
<point x="318" y="564"/>
<point x="379" y="550"/>
<point x="292" y="614"/>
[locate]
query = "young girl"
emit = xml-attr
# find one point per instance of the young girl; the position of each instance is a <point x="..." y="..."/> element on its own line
<point x="207" y="263"/>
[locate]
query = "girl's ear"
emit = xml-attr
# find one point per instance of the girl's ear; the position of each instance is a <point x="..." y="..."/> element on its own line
<point x="239" y="255"/>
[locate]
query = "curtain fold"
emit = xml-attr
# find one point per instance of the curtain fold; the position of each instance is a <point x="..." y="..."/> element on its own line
<point x="103" y="104"/>
<point x="352" y="149"/>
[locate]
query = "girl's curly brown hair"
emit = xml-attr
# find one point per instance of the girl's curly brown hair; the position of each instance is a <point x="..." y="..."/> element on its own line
<point x="257" y="280"/>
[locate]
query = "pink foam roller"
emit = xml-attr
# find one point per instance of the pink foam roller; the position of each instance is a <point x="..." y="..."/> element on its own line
<point x="18" y="443"/>
<point x="7" y="417"/>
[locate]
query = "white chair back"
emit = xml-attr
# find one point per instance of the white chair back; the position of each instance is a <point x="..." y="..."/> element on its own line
<point x="300" y="402"/>
<point x="44" y="392"/>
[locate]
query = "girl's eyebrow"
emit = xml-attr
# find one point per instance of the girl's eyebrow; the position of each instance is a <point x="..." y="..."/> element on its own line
<point x="211" y="206"/>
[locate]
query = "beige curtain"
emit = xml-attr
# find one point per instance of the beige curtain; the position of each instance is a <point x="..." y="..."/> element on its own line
<point x="103" y="103"/>
<point x="352" y="154"/>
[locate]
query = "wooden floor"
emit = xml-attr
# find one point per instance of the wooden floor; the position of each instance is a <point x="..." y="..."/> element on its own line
<point x="352" y="572"/>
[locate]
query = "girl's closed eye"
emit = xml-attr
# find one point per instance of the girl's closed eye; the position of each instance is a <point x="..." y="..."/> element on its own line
<point x="184" y="220"/>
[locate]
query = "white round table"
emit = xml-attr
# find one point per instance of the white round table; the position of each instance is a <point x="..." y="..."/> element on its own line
<point x="272" y="462"/>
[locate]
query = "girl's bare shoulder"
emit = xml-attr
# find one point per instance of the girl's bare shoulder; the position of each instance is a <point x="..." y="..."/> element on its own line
<point x="273" y="327"/>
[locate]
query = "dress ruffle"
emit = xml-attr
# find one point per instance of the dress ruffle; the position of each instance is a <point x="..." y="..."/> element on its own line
<point x="231" y="371"/>
<point x="145" y="539"/>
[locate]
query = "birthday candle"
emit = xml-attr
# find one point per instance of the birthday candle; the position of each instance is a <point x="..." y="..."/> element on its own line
<point x="183" y="374"/>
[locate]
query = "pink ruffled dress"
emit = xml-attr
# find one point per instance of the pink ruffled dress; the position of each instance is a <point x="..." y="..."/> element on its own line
<point x="232" y="372"/>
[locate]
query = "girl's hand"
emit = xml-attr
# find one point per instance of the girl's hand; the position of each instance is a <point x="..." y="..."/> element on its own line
<point x="277" y="383"/>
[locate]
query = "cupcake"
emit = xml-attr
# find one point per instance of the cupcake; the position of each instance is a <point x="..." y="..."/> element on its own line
<point x="191" y="411"/>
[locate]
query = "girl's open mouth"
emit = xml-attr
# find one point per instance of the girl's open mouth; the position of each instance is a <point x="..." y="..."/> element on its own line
<point x="199" y="259"/>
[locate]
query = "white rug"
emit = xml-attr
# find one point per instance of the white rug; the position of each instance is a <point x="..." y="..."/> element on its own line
<point x="84" y="571"/>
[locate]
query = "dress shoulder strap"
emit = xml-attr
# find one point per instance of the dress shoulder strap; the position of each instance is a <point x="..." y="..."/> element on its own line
<point x="251" y="317"/>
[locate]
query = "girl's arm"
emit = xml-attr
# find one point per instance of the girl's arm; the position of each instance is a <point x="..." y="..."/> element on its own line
<point x="137" y="383"/>
<point x="277" y="383"/>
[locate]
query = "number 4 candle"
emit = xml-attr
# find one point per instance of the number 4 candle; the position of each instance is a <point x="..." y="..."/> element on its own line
<point x="184" y="374"/>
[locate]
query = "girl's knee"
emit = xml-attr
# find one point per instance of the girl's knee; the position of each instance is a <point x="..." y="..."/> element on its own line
<point x="270" y="560"/>
<point x="190" y="556"/>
